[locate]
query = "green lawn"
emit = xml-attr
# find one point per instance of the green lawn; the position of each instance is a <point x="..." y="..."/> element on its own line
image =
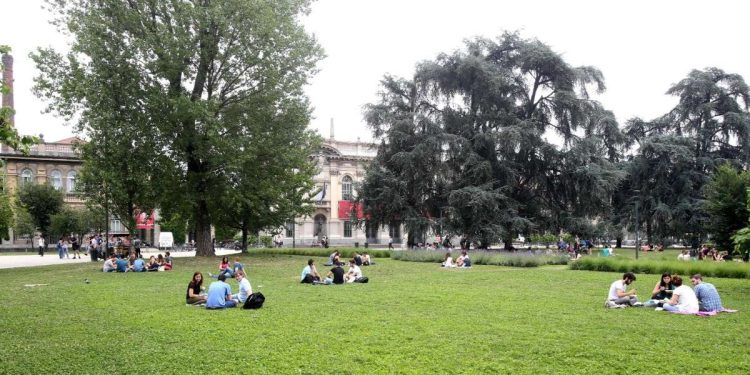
<point x="411" y="318"/>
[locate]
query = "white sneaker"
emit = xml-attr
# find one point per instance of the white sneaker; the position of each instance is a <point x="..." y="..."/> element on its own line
<point x="659" y="309"/>
<point x="638" y="304"/>
<point x="620" y="306"/>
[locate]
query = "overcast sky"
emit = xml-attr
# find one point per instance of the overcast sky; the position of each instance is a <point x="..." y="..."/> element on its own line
<point x="642" y="47"/>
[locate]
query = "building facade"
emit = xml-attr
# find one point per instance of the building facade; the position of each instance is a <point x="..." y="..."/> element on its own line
<point x="341" y="167"/>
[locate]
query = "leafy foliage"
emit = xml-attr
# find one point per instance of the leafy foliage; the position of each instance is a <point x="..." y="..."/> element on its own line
<point x="41" y="201"/>
<point x="186" y="87"/>
<point x="726" y="200"/>
<point x="465" y="141"/>
<point x="8" y="134"/>
<point x="7" y="219"/>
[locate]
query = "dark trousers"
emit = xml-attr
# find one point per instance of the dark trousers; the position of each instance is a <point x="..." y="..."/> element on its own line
<point x="41" y="250"/>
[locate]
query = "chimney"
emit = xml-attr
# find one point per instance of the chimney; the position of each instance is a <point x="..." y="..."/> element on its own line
<point x="8" y="80"/>
<point x="331" y="127"/>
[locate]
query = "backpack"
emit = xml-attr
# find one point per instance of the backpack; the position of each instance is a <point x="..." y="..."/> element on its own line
<point x="254" y="301"/>
<point x="362" y="279"/>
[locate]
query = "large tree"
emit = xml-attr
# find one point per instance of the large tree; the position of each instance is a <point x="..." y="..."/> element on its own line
<point x="190" y="67"/>
<point x="41" y="201"/>
<point x="679" y="151"/>
<point x="502" y="136"/>
<point x="726" y="205"/>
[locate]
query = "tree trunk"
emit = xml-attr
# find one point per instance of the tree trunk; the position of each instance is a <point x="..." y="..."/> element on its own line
<point x="203" y="243"/>
<point x="508" y="244"/>
<point x="618" y="243"/>
<point x="244" y="237"/>
<point x="648" y="231"/>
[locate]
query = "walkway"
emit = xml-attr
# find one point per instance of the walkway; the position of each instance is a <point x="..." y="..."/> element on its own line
<point x="50" y="258"/>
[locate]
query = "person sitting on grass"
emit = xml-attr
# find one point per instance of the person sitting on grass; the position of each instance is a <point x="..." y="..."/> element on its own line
<point x="708" y="296"/>
<point x="335" y="275"/>
<point x="310" y="273"/>
<point x="161" y="261"/>
<point x="366" y="261"/>
<point x="220" y="294"/>
<point x="194" y="289"/>
<point x="223" y="269"/>
<point x="237" y="266"/>
<point x="619" y="296"/>
<point x="448" y="261"/>
<point x="245" y="289"/>
<point x="354" y="272"/>
<point x="122" y="264"/>
<point x="333" y="258"/>
<point x="167" y="261"/>
<point x="683" y="299"/>
<point x="357" y="259"/>
<point x="109" y="265"/>
<point x="684" y="255"/>
<point x="662" y="290"/>
<point x="139" y="265"/>
<point x="152" y="264"/>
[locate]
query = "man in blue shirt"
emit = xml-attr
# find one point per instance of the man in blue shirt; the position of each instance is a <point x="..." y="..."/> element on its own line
<point x="122" y="264"/>
<point x="708" y="296"/>
<point x="220" y="294"/>
<point x="139" y="265"/>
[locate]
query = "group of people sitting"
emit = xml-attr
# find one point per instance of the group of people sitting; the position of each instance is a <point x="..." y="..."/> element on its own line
<point x="226" y="270"/>
<point x="669" y="294"/>
<point x="359" y="260"/>
<point x="336" y="275"/>
<point x="118" y="263"/>
<point x="462" y="261"/>
<point x="219" y="294"/>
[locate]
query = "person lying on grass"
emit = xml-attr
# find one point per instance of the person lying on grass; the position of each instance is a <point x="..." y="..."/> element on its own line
<point x="354" y="272"/>
<point x="310" y="273"/>
<point x="662" y="290"/>
<point x="619" y="296"/>
<point x="194" y="289"/>
<point x="683" y="298"/>
<point x="220" y="294"/>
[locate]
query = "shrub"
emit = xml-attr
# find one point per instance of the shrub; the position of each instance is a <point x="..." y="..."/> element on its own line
<point x="710" y="269"/>
<point x="525" y="259"/>
<point x="322" y="252"/>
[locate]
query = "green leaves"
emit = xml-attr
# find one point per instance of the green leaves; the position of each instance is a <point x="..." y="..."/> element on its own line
<point x="41" y="201"/>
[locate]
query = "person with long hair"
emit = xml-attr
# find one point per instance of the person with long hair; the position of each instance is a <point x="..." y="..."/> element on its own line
<point x="448" y="261"/>
<point x="683" y="298"/>
<point x="193" y="295"/>
<point x="662" y="290"/>
<point x="224" y="269"/>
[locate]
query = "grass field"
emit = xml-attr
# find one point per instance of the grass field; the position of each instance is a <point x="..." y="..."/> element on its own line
<point x="411" y="318"/>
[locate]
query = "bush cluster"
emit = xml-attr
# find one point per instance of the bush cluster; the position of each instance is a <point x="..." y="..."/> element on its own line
<point x="493" y="258"/>
<point x="711" y="269"/>
<point x="322" y="252"/>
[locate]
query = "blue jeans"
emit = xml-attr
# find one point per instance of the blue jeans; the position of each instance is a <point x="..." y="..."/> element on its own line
<point x="668" y="307"/>
<point x="230" y="303"/>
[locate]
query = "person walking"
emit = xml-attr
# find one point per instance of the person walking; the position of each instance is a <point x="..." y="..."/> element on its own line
<point x="40" y="243"/>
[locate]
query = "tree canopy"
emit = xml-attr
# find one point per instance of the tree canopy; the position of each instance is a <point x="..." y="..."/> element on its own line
<point x="182" y="84"/>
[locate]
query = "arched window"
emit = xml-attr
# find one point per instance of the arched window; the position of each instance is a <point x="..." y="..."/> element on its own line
<point x="346" y="188"/>
<point x="72" y="181"/>
<point x="26" y="177"/>
<point x="56" y="178"/>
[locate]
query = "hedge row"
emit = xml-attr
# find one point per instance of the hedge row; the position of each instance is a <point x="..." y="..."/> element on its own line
<point x="483" y="257"/>
<point x="346" y="253"/>
<point x="705" y="268"/>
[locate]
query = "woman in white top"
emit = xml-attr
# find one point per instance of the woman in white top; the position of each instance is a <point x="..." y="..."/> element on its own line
<point x="448" y="261"/>
<point x="683" y="298"/>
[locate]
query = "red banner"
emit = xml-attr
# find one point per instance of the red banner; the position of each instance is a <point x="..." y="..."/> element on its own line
<point x="143" y="221"/>
<point x="346" y="207"/>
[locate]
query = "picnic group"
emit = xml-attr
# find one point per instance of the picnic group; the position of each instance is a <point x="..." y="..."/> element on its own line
<point x="336" y="275"/>
<point x="136" y="263"/>
<point x="219" y="294"/>
<point x="669" y="294"/>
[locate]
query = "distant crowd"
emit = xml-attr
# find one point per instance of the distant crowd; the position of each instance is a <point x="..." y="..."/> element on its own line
<point x="135" y="263"/>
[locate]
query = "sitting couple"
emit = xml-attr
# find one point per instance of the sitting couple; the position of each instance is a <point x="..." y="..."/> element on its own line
<point x="462" y="261"/>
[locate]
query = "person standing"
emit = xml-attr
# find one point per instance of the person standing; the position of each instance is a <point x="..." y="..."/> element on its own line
<point x="40" y="243"/>
<point x="390" y="243"/>
<point x="59" y="248"/>
<point x="220" y="294"/>
<point x="706" y="293"/>
<point x="76" y="248"/>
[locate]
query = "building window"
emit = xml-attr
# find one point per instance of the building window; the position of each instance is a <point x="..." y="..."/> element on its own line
<point x="56" y="178"/>
<point x="26" y="177"/>
<point x="116" y="225"/>
<point x="72" y="181"/>
<point x="290" y="229"/>
<point x="347" y="229"/>
<point x="346" y="188"/>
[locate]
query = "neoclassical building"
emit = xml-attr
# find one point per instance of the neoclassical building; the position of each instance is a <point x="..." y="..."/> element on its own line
<point x="341" y="165"/>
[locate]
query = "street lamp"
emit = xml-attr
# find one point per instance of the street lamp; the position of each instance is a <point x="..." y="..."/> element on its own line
<point x="637" y="224"/>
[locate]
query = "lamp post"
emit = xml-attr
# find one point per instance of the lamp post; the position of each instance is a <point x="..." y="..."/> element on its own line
<point x="637" y="224"/>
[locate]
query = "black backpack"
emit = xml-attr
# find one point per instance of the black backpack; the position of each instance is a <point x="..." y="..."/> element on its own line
<point x="254" y="301"/>
<point x="362" y="279"/>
